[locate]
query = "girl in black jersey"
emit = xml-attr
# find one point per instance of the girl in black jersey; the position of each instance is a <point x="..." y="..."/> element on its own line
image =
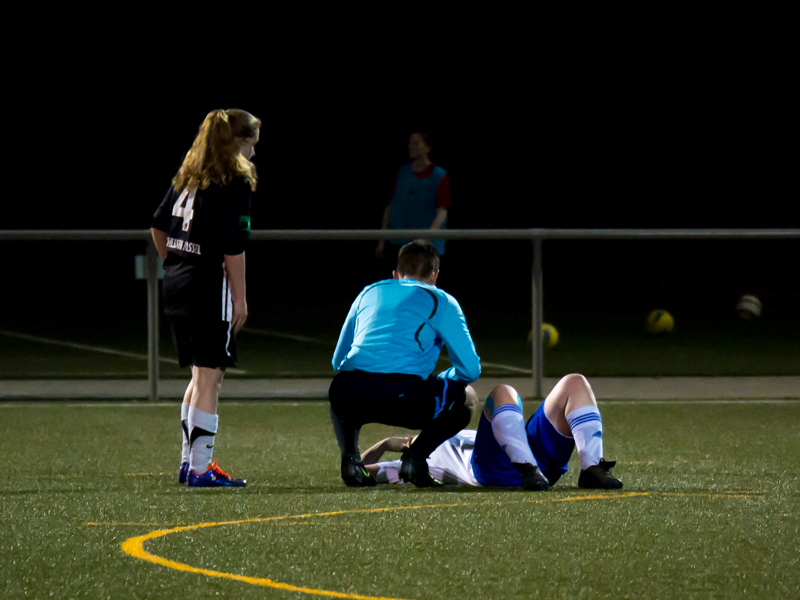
<point x="200" y="230"/>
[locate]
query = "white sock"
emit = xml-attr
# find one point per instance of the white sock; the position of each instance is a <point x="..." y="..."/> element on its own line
<point x="184" y="433"/>
<point x="587" y="429"/>
<point x="508" y="427"/>
<point x="202" y="430"/>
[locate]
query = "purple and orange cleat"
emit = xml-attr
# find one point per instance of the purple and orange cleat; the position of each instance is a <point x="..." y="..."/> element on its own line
<point x="214" y="477"/>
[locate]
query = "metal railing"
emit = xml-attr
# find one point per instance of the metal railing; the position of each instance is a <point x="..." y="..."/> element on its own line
<point x="536" y="236"/>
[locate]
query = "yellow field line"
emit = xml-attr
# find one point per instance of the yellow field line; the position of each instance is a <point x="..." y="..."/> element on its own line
<point x="728" y="494"/>
<point x="114" y="524"/>
<point x="135" y="546"/>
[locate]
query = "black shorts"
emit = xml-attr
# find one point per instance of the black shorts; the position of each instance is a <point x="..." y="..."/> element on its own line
<point x="396" y="399"/>
<point x="203" y="342"/>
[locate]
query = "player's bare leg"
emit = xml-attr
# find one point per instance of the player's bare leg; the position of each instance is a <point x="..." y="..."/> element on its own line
<point x="203" y="422"/>
<point x="572" y="409"/>
<point x="570" y="393"/>
<point x="206" y="384"/>
<point x="503" y="409"/>
<point x="500" y="395"/>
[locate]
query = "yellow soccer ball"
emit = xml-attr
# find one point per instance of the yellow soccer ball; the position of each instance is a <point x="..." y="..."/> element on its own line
<point x="659" y="321"/>
<point x="549" y="335"/>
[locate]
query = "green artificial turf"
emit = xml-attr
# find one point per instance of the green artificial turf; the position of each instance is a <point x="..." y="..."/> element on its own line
<point x="709" y="510"/>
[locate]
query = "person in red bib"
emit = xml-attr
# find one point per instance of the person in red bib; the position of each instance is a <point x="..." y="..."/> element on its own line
<point x="421" y="198"/>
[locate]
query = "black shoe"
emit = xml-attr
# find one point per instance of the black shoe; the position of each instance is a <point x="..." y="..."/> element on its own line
<point x="599" y="476"/>
<point x="417" y="473"/>
<point x="532" y="478"/>
<point x="354" y="474"/>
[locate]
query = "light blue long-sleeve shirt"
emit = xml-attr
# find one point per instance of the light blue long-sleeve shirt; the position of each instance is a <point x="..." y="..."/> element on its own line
<point x="400" y="327"/>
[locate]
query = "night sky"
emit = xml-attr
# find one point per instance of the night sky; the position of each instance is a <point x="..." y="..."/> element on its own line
<point x="649" y="144"/>
<point x="644" y="142"/>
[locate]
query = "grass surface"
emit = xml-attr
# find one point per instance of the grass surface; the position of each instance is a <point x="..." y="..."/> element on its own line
<point x="709" y="510"/>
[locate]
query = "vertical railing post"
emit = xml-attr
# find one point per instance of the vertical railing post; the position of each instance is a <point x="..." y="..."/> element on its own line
<point x="536" y="333"/>
<point x="151" y="272"/>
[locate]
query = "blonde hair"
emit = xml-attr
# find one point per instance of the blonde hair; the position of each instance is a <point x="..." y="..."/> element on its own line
<point x="214" y="156"/>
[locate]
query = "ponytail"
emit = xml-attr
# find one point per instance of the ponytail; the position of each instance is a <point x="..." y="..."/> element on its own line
<point x="214" y="156"/>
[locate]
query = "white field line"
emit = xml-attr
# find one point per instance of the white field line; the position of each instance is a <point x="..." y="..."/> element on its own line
<point x="507" y="368"/>
<point x="86" y="347"/>
<point x="288" y="336"/>
<point x="263" y="332"/>
<point x="146" y="404"/>
<point x="304" y="403"/>
<point x="311" y="340"/>
<point x="705" y="401"/>
<point x="52" y="342"/>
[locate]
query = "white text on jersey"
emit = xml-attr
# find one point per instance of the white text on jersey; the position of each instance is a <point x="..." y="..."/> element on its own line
<point x="189" y="247"/>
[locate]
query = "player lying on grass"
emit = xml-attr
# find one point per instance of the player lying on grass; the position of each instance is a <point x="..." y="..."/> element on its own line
<point x="506" y="451"/>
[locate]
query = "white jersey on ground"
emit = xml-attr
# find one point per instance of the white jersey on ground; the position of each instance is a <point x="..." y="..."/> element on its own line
<point x="450" y="463"/>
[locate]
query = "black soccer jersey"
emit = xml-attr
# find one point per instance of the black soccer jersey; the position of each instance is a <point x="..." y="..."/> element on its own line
<point x="202" y="226"/>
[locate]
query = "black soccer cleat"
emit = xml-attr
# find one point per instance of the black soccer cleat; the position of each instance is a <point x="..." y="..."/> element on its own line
<point x="417" y="473"/>
<point x="532" y="478"/>
<point x="355" y="474"/>
<point x="183" y="473"/>
<point x="599" y="476"/>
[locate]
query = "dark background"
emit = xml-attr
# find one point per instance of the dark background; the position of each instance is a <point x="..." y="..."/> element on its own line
<point x="665" y="138"/>
<point x="688" y="131"/>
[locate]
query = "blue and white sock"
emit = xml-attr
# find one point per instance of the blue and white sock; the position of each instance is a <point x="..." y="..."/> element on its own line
<point x="587" y="429"/>
<point x="184" y="433"/>
<point x="508" y="427"/>
<point x="202" y="430"/>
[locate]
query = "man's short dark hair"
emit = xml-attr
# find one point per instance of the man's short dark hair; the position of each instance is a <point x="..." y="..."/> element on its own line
<point x="418" y="259"/>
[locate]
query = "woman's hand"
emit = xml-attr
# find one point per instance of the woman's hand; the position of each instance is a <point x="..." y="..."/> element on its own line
<point x="239" y="315"/>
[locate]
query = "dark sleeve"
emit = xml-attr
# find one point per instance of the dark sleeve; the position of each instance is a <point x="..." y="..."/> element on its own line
<point x="236" y="221"/>
<point x="161" y="220"/>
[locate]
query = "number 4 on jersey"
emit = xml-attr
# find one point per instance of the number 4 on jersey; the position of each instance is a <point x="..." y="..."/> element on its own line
<point x="179" y="210"/>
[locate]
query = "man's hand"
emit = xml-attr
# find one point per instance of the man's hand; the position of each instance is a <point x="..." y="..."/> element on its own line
<point x="397" y="443"/>
<point x="390" y="444"/>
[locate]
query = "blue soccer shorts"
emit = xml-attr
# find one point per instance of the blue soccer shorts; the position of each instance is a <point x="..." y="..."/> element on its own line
<point x="552" y="451"/>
